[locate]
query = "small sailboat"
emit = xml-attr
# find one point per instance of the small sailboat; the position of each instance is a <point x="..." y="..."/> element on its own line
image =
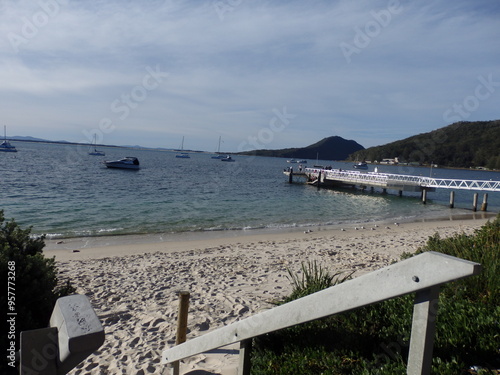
<point x="218" y="156"/>
<point x="5" y="146"/>
<point x="183" y="155"/>
<point x="96" y="152"/>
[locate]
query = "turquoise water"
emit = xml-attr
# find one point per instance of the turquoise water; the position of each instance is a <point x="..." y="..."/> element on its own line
<point x="61" y="191"/>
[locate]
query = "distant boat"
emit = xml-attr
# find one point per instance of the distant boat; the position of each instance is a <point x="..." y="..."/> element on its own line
<point x="129" y="162"/>
<point x="5" y="146"/>
<point x="218" y="156"/>
<point x="96" y="152"/>
<point x="227" y="158"/>
<point x="183" y="155"/>
<point x="291" y="161"/>
<point x="361" y="165"/>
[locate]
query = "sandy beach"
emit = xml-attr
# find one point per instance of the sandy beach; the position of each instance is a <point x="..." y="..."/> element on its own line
<point x="133" y="285"/>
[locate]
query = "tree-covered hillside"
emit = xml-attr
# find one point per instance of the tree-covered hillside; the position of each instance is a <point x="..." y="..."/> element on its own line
<point x="330" y="148"/>
<point x="462" y="144"/>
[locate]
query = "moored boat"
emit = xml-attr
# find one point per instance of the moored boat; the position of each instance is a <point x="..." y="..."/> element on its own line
<point x="361" y="165"/>
<point x="5" y="146"/>
<point x="128" y="162"/>
<point x="96" y="152"/>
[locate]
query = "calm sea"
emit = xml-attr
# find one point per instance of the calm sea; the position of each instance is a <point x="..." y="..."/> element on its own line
<point x="62" y="191"/>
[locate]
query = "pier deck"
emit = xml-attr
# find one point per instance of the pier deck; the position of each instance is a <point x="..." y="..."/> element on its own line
<point x="391" y="181"/>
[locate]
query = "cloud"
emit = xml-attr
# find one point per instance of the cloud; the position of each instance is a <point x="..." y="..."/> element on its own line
<point x="231" y="64"/>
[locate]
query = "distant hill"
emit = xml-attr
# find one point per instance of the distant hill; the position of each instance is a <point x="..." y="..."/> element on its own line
<point x="462" y="144"/>
<point x="331" y="148"/>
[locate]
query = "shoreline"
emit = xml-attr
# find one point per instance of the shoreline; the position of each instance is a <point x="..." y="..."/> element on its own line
<point x="101" y="246"/>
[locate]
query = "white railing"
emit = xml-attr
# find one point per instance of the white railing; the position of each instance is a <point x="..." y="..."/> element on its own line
<point x="422" y="274"/>
<point x="394" y="179"/>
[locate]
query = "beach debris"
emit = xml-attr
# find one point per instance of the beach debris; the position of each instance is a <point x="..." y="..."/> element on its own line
<point x="76" y="251"/>
<point x="59" y="242"/>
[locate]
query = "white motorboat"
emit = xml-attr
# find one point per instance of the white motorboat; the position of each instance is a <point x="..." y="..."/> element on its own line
<point x="128" y="162"/>
<point x="5" y="146"/>
<point x="361" y="165"/>
<point x="227" y="158"/>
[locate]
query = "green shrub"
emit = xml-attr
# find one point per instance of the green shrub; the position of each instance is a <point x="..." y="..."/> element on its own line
<point x="375" y="339"/>
<point x="312" y="279"/>
<point x="30" y="279"/>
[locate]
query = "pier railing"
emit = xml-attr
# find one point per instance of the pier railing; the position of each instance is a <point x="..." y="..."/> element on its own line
<point x="388" y="179"/>
<point x="422" y="274"/>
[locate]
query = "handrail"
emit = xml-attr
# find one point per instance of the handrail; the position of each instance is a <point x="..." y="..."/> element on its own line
<point x="390" y="178"/>
<point x="421" y="274"/>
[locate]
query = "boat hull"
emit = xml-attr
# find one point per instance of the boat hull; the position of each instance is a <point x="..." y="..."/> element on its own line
<point x="126" y="163"/>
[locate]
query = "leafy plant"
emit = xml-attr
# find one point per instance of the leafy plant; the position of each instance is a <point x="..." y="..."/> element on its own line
<point x="33" y="286"/>
<point x="312" y="279"/>
<point x="375" y="339"/>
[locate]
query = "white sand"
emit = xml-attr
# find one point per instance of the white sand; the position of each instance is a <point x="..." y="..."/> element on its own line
<point x="133" y="286"/>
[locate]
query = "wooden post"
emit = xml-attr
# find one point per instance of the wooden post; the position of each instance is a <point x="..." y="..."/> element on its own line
<point x="484" y="206"/>
<point x="181" y="325"/>
<point x="452" y="199"/>
<point x="474" y="202"/>
<point x="422" y="331"/>
<point x="319" y="179"/>
<point x="424" y="196"/>
<point x="290" y="176"/>
<point x="244" y="363"/>
<point x="400" y="193"/>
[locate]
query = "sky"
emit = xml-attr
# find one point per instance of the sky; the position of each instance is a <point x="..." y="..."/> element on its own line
<point x="257" y="74"/>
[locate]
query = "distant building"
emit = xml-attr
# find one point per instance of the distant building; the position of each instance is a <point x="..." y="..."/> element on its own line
<point x="390" y="161"/>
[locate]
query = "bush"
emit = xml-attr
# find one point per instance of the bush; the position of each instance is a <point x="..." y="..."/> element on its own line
<point x="32" y="288"/>
<point x="375" y="338"/>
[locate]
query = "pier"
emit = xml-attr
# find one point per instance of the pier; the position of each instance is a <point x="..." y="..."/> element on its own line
<point x="398" y="182"/>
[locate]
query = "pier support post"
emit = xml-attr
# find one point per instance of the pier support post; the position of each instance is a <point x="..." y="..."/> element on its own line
<point x="400" y="193"/>
<point x="484" y="206"/>
<point x="319" y="179"/>
<point x="290" y="176"/>
<point x="424" y="196"/>
<point x="372" y="189"/>
<point x="452" y="199"/>
<point x="384" y="191"/>
<point x="181" y="325"/>
<point x="474" y="202"/>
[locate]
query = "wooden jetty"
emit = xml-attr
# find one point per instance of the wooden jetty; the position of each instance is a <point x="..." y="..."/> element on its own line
<point x="387" y="181"/>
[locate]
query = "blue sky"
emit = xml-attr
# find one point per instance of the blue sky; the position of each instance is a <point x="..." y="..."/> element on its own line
<point x="259" y="74"/>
